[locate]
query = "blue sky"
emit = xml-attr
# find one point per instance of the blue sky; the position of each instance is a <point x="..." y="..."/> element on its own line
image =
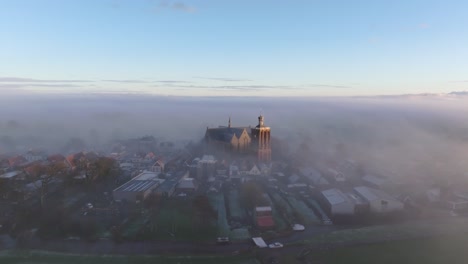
<point x="252" y="48"/>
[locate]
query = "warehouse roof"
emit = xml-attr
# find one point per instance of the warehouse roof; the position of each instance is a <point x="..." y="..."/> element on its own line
<point x="371" y="194"/>
<point x="335" y="196"/>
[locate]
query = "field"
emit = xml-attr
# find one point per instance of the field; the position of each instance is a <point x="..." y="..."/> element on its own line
<point x="235" y="209"/>
<point x="175" y="220"/>
<point x="38" y="257"/>
<point x="217" y="201"/>
<point x="317" y="207"/>
<point x="439" y="249"/>
<point x="308" y="214"/>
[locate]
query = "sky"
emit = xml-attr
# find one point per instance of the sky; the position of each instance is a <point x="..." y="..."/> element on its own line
<point x="234" y="48"/>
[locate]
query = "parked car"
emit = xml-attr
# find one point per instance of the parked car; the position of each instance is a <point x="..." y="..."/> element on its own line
<point x="275" y="245"/>
<point x="298" y="227"/>
<point x="223" y="240"/>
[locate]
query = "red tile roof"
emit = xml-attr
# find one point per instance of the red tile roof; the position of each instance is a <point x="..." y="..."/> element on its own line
<point x="15" y="161"/>
<point x="265" y="221"/>
<point x="56" y="158"/>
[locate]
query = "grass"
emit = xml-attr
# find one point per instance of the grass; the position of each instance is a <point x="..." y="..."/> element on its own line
<point x="177" y="220"/>
<point x="301" y="208"/>
<point x="317" y="207"/>
<point x="440" y="249"/>
<point x="41" y="257"/>
<point x="235" y="209"/>
<point x="217" y="201"/>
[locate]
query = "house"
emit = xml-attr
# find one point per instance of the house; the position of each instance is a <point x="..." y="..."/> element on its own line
<point x="314" y="177"/>
<point x="254" y="171"/>
<point x="206" y="167"/>
<point x="374" y="181"/>
<point x="264" y="217"/>
<point x="294" y="178"/>
<point x="337" y="203"/>
<point x="336" y="176"/>
<point x="187" y="186"/>
<point x="16" y="161"/>
<point x="158" y="166"/>
<point x="265" y="169"/>
<point x="379" y="201"/>
<point x="33" y="155"/>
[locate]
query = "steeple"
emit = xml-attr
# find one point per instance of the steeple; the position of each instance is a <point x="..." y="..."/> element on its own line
<point x="229" y="123"/>
<point x="260" y="120"/>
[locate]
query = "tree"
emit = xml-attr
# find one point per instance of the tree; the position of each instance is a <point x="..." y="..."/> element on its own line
<point x="251" y="195"/>
<point x="204" y="210"/>
<point x="101" y="170"/>
<point x="51" y="171"/>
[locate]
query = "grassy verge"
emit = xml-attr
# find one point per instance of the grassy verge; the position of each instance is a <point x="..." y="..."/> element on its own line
<point x="40" y="257"/>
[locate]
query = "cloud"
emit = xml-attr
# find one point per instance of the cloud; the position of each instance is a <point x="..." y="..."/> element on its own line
<point x="26" y="80"/>
<point x="176" y="6"/>
<point x="224" y="79"/>
<point x="231" y="87"/>
<point x="171" y="81"/>
<point x="55" y="85"/>
<point x="330" y="86"/>
<point x="126" y="81"/>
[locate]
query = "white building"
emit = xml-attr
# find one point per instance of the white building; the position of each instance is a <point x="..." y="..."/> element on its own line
<point x="337" y="202"/>
<point x="32" y="155"/>
<point x="379" y="201"/>
<point x="138" y="188"/>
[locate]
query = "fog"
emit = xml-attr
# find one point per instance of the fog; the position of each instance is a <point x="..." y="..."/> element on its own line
<point x="408" y="137"/>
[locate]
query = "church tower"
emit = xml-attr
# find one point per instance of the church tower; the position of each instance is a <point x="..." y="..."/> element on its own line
<point x="261" y="134"/>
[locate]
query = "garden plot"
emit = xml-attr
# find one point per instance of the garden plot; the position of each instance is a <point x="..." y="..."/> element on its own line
<point x="301" y="208"/>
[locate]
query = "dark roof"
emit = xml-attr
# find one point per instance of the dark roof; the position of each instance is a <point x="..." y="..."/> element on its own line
<point x="224" y="133"/>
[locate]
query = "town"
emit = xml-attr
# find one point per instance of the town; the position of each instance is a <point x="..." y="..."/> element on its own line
<point x="233" y="186"/>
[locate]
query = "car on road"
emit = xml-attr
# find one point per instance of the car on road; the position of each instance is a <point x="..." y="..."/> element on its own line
<point x="298" y="227"/>
<point x="223" y="240"/>
<point x="275" y="245"/>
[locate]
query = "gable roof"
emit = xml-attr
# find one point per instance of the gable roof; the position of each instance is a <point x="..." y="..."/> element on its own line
<point x="224" y="133"/>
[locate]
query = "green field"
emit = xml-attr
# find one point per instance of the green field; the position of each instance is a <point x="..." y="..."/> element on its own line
<point x="217" y="201"/>
<point x="175" y="220"/>
<point x="235" y="209"/>
<point x="38" y="257"/>
<point x="440" y="249"/>
<point x="307" y="213"/>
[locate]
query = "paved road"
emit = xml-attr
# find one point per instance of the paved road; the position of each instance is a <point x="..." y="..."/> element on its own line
<point x="106" y="246"/>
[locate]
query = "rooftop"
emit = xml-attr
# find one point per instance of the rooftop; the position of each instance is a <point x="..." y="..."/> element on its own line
<point x="138" y="186"/>
<point x="371" y="194"/>
<point x="335" y="196"/>
<point x="263" y="209"/>
<point x="143" y="182"/>
<point x="10" y="174"/>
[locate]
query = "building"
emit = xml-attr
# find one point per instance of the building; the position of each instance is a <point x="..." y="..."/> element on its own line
<point x="241" y="139"/>
<point x="337" y="203"/>
<point x="158" y="166"/>
<point x="33" y="155"/>
<point x="379" y="201"/>
<point x="187" y="186"/>
<point x="314" y="177"/>
<point x="206" y="167"/>
<point x="138" y="188"/>
<point x="264" y="217"/>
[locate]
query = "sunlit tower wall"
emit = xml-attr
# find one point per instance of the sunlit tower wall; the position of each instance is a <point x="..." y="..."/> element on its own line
<point x="261" y="135"/>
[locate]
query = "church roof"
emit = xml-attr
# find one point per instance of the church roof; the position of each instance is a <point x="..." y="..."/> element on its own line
<point x="224" y="133"/>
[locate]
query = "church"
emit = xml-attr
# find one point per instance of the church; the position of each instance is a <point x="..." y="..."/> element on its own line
<point x="242" y="140"/>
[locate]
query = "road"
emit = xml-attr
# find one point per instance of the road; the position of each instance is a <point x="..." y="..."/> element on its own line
<point x="106" y="246"/>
